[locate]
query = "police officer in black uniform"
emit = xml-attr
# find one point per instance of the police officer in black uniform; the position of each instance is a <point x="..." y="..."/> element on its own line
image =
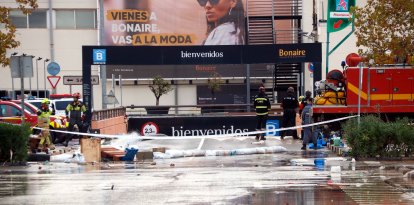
<point x="290" y="107"/>
<point x="262" y="107"/>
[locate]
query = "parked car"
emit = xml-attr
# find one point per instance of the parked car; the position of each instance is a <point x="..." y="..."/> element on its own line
<point x="11" y="112"/>
<point x="27" y="106"/>
<point x="58" y="101"/>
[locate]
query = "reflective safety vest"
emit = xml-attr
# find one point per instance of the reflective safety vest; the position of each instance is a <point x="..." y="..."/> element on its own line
<point x="76" y="109"/>
<point x="58" y="123"/>
<point x="261" y="104"/>
<point x="44" y="118"/>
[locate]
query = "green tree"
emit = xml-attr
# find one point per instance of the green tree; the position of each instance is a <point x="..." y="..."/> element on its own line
<point x="8" y="33"/>
<point x="159" y="88"/>
<point x="214" y="84"/>
<point x="385" y="30"/>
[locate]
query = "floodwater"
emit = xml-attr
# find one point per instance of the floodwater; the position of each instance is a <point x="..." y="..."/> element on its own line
<point x="280" y="178"/>
<point x="246" y="179"/>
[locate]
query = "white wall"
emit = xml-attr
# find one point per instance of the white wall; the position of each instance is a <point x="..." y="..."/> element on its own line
<point x="67" y="48"/>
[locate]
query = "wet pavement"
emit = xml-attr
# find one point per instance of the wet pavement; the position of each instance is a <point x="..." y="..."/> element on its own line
<point x="281" y="178"/>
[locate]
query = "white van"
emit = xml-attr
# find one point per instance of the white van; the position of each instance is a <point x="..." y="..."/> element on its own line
<point x="61" y="104"/>
<point x="36" y="102"/>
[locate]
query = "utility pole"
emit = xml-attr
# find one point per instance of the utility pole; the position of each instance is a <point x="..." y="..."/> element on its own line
<point x="37" y="76"/>
<point x="314" y="33"/>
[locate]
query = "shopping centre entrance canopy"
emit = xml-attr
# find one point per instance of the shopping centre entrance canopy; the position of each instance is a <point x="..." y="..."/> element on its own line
<point x="195" y="55"/>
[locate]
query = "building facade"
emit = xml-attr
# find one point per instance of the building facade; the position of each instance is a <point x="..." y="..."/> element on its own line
<point x="58" y="29"/>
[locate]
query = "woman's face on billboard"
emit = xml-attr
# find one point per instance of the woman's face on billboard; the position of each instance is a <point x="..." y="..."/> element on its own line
<point x="217" y="9"/>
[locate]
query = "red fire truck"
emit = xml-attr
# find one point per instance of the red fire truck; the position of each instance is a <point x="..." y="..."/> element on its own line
<point x="388" y="91"/>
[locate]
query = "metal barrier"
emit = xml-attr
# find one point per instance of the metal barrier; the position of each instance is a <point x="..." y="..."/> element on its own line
<point x="215" y="109"/>
<point x="108" y="113"/>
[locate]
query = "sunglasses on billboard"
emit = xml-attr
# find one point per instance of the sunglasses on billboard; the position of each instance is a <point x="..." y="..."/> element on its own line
<point x="204" y="2"/>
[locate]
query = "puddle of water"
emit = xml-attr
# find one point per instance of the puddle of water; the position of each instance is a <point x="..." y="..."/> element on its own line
<point x="317" y="195"/>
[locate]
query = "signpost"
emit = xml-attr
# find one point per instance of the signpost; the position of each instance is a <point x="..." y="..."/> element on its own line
<point x="53" y="69"/>
<point x="77" y="80"/>
<point x="53" y="80"/>
<point x="21" y="67"/>
<point x="338" y="19"/>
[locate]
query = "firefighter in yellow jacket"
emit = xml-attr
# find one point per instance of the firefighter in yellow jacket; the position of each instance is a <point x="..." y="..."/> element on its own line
<point x="43" y="122"/>
<point x="75" y="110"/>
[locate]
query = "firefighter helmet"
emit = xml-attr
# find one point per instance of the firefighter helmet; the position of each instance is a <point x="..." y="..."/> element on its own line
<point x="46" y="101"/>
<point x="76" y="95"/>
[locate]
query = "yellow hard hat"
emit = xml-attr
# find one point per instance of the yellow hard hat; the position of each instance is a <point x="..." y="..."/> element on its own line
<point x="45" y="101"/>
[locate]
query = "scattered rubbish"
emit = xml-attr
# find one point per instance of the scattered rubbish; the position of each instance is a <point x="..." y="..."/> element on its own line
<point x="201" y="153"/>
<point x="112" y="187"/>
<point x="302" y="162"/>
<point x="319" y="161"/>
<point x="124" y="141"/>
<point x="172" y="165"/>
<point x="61" y="157"/>
<point x="69" y="158"/>
<point x="159" y="149"/>
<point x="335" y="169"/>
<point x="91" y="149"/>
<point x="335" y="159"/>
<point x="145" y="155"/>
<point x="409" y="174"/>
<point x="153" y="163"/>
<point x="129" y="154"/>
<point x="38" y="157"/>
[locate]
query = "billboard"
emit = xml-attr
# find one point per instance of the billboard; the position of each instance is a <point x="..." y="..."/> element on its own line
<point x="339" y="16"/>
<point x="174" y="22"/>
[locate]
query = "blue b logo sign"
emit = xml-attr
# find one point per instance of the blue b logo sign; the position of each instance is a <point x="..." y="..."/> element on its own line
<point x="99" y="56"/>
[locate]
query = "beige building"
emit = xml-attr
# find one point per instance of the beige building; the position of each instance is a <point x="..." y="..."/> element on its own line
<point x="58" y="29"/>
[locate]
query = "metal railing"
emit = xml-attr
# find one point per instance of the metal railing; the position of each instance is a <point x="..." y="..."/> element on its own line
<point x="108" y="113"/>
<point x="210" y="109"/>
<point x="173" y="110"/>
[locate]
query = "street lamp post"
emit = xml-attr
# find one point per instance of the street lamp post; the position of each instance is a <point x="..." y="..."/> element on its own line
<point x="14" y="93"/>
<point x="30" y="81"/>
<point x="44" y="73"/>
<point x="37" y="76"/>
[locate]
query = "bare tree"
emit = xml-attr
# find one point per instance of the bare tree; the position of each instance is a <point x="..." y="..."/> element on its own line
<point x="385" y="30"/>
<point x="159" y="88"/>
<point x="8" y="34"/>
